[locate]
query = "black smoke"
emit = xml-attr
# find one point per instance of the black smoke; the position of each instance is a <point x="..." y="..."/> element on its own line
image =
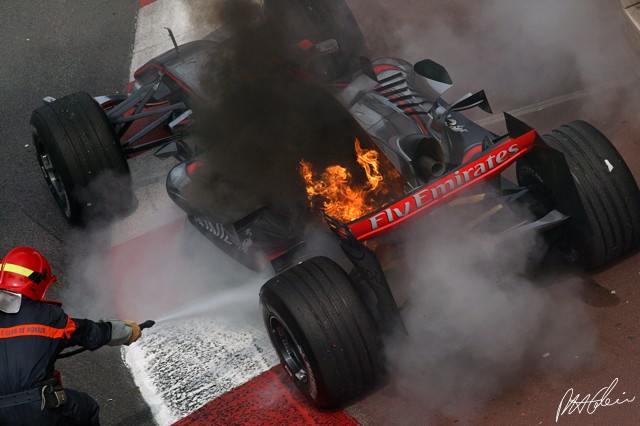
<point x="264" y="114"/>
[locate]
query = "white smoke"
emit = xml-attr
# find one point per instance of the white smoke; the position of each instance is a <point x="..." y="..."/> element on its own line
<point x="477" y="320"/>
<point x="150" y="276"/>
<point x="518" y="51"/>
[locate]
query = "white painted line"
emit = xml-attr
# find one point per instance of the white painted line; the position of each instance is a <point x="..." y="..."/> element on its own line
<point x="633" y="12"/>
<point x="188" y="19"/>
<point x="547" y="103"/>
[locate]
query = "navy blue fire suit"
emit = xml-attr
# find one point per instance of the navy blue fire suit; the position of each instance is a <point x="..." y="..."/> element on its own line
<point x="30" y="341"/>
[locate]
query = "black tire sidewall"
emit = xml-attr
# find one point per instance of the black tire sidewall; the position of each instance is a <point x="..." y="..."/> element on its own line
<point x="84" y="150"/>
<point x="315" y="388"/>
<point x="317" y="302"/>
<point x="42" y="142"/>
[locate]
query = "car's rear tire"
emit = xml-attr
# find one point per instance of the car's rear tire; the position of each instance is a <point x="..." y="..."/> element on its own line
<point x="322" y="332"/>
<point x="605" y="217"/>
<point x="81" y="159"/>
<point x="320" y="20"/>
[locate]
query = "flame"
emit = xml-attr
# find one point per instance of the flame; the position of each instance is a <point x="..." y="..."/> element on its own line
<point x="340" y="197"/>
<point x="368" y="159"/>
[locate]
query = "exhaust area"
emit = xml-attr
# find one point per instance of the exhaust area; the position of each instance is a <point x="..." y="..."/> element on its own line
<point x="264" y="119"/>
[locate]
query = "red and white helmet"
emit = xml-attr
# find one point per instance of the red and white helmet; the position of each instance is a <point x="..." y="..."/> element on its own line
<point x="26" y="272"/>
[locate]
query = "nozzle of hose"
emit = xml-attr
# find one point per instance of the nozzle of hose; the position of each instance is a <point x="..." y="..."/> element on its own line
<point x="147" y="324"/>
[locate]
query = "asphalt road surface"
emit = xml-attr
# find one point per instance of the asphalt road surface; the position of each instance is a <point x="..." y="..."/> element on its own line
<point x="55" y="48"/>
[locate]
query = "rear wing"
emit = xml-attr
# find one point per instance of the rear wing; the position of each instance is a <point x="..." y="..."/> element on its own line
<point x="489" y="164"/>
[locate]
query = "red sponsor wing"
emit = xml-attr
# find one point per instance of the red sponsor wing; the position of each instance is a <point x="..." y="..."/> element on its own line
<point x="425" y="198"/>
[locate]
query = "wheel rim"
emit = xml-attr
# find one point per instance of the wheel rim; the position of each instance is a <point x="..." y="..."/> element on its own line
<point x="290" y="353"/>
<point x="51" y="175"/>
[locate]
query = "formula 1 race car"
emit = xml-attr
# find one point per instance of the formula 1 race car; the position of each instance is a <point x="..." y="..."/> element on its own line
<point x="326" y="322"/>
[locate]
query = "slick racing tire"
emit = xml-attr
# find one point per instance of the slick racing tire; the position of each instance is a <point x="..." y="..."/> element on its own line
<point x="81" y="159"/>
<point x="322" y="332"/>
<point x="597" y="192"/>
<point x="320" y="20"/>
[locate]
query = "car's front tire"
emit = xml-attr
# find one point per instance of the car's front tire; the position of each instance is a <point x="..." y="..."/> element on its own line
<point x="81" y="159"/>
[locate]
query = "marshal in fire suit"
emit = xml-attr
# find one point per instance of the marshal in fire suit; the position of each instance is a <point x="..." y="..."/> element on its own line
<point x="33" y="332"/>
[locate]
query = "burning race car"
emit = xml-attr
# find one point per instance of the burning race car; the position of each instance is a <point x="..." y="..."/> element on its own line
<point x="411" y="152"/>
